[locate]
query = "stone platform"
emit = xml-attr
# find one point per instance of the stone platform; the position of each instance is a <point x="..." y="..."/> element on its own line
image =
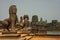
<point x="9" y="34"/>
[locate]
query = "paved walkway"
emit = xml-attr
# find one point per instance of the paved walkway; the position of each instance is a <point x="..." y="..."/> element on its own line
<point x="23" y="36"/>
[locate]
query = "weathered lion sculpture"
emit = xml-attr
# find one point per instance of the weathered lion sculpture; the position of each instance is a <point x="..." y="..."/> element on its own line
<point x="12" y="20"/>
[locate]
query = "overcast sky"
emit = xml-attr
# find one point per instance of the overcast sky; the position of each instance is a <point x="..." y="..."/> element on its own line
<point x="47" y="9"/>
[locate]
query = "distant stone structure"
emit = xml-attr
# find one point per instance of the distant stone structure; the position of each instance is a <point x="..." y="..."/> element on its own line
<point x="21" y="22"/>
<point x="41" y="19"/>
<point x="21" y="19"/>
<point x="26" y="20"/>
<point x="33" y="23"/>
<point x="54" y="22"/>
<point x="34" y="18"/>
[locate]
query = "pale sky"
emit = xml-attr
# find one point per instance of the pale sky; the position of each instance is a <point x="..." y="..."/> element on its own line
<point x="47" y="9"/>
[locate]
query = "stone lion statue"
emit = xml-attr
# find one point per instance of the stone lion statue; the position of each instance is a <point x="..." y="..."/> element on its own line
<point x="12" y="20"/>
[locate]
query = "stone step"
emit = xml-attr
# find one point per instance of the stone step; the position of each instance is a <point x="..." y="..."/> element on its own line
<point x="9" y="32"/>
<point x="27" y="37"/>
<point x="9" y="35"/>
<point x="23" y="35"/>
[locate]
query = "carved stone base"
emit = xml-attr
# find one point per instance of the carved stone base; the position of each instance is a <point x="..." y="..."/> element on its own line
<point x="9" y="35"/>
<point x="11" y="32"/>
